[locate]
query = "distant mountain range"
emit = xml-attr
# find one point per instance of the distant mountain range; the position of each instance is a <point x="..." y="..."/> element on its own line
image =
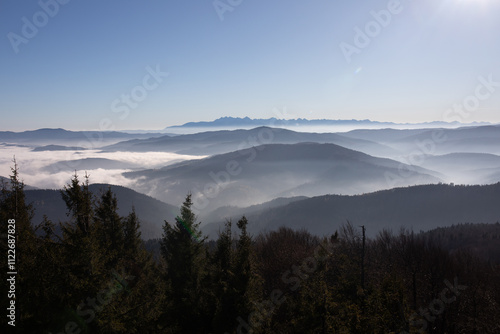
<point x="224" y="141"/>
<point x="277" y="176"/>
<point x="232" y="122"/>
<point x="89" y="139"/>
<point x="262" y="173"/>
<point x="419" y="208"/>
<point x="390" y="143"/>
<point x="295" y="167"/>
<point x="478" y="139"/>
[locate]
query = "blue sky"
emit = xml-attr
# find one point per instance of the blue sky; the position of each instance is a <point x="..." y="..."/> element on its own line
<point x="262" y="57"/>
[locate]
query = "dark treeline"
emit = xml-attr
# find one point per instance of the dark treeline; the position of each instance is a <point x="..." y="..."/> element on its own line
<point x="98" y="276"/>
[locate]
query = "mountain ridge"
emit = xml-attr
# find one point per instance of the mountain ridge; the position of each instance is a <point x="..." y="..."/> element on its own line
<point x="274" y="170"/>
<point x="421" y="207"/>
<point x="54" y="136"/>
<point x="224" y="141"/>
<point x="151" y="211"/>
<point x="273" y="121"/>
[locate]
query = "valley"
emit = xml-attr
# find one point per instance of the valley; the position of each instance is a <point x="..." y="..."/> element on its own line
<point x="275" y="176"/>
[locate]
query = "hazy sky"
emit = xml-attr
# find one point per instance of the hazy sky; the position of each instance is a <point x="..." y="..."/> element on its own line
<point x="87" y="64"/>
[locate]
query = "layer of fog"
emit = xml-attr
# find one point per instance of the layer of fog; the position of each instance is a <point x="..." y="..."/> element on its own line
<point x="451" y="155"/>
<point x="34" y="172"/>
<point x="319" y="128"/>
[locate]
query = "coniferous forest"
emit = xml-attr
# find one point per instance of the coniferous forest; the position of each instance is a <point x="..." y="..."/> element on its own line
<point x="94" y="274"/>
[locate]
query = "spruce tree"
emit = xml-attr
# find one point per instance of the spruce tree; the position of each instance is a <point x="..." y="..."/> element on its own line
<point x="13" y="208"/>
<point x="243" y="268"/>
<point x="235" y="284"/>
<point x="109" y="229"/>
<point x="132" y="235"/>
<point x="225" y="312"/>
<point x="50" y="286"/>
<point x="82" y="258"/>
<point x="183" y="250"/>
<point x="138" y="308"/>
<point x="78" y="200"/>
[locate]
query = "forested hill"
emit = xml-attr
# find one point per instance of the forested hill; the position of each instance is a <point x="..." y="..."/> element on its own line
<point x="150" y="211"/>
<point x="419" y="208"/>
<point x="481" y="239"/>
<point x="284" y="281"/>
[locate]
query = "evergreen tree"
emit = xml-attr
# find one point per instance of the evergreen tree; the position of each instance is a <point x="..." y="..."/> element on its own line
<point x="243" y="270"/>
<point x="224" y="295"/>
<point x="132" y="235"/>
<point x="82" y="260"/>
<point x="13" y="208"/>
<point x="47" y="290"/>
<point x="78" y="200"/>
<point x="183" y="250"/>
<point x="235" y="284"/>
<point x="137" y="307"/>
<point x="109" y="229"/>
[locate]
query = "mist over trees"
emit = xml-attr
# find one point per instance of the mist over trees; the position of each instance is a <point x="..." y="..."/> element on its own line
<point x="98" y="276"/>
